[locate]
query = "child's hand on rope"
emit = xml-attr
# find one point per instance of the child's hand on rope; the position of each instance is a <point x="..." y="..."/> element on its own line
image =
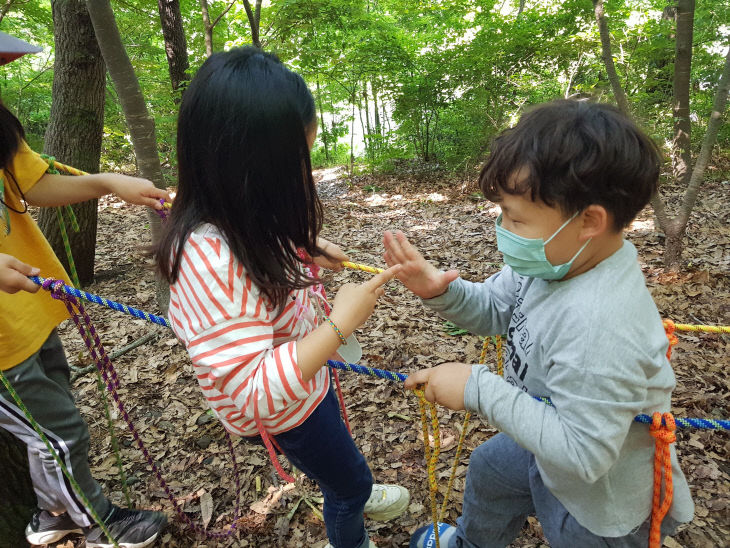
<point x="354" y="303"/>
<point x="445" y="383"/>
<point x="417" y="274"/>
<point x="338" y="256"/>
<point x="14" y="275"/>
<point x="135" y="190"/>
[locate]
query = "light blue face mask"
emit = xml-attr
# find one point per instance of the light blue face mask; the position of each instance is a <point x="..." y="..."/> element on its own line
<point x="527" y="257"/>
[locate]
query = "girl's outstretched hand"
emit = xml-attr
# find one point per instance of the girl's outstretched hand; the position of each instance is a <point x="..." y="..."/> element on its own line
<point x="445" y="383"/>
<point x="338" y="256"/>
<point x="135" y="190"/>
<point x="355" y="302"/>
<point x="417" y="274"/>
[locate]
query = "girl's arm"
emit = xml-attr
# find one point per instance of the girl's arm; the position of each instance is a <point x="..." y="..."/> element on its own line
<point x="352" y="307"/>
<point x="55" y="190"/>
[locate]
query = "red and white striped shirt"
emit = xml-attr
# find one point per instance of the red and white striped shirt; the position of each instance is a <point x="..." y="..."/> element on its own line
<point x="243" y="354"/>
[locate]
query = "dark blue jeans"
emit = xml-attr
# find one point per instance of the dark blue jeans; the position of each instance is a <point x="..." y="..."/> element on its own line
<point x="323" y="449"/>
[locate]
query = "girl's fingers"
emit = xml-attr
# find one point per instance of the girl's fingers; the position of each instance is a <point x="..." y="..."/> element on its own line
<point x="419" y="377"/>
<point x="393" y="247"/>
<point x="384" y="277"/>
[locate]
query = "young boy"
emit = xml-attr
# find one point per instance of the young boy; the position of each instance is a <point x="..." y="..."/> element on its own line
<point x="581" y="328"/>
<point x="31" y="354"/>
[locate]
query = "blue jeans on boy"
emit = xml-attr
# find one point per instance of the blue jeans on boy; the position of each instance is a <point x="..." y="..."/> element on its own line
<point x="503" y="487"/>
<point x="324" y="450"/>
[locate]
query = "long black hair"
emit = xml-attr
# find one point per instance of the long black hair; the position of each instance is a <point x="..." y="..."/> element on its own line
<point x="11" y="134"/>
<point x="244" y="166"/>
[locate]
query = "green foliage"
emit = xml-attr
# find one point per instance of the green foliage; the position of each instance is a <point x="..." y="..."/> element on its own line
<point x="412" y="79"/>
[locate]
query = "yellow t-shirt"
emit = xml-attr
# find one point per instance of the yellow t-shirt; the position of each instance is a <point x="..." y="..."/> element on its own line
<point x="26" y="319"/>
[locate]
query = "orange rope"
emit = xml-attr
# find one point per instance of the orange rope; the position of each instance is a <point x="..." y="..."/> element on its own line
<point x="664" y="437"/>
<point x="669" y="328"/>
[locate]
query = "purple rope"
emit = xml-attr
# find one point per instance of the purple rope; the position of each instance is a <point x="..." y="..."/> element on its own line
<point x="109" y="374"/>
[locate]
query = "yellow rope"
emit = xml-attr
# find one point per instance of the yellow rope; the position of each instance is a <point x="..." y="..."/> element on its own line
<point x="432" y="456"/>
<point x="704" y="328"/>
<point x="363" y="267"/>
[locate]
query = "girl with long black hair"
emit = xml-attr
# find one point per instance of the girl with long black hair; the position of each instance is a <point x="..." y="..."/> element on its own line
<point x="241" y="298"/>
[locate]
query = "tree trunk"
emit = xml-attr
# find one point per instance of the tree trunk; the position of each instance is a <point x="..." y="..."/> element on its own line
<point x="76" y="124"/>
<point x="208" y="28"/>
<point x="254" y="19"/>
<point x="322" y="126"/>
<point x="210" y="25"/>
<point x="141" y="125"/>
<point x="17" y="498"/>
<point x="681" y="144"/>
<point x="618" y="92"/>
<point x="176" y="47"/>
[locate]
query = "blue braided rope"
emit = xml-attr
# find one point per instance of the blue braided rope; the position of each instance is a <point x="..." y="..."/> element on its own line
<point x="703" y="424"/>
<point x="80" y="294"/>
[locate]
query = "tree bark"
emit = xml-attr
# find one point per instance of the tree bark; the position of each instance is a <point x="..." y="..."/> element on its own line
<point x="176" y="47"/>
<point x="681" y="144"/>
<point x="17" y="498"/>
<point x="618" y="92"/>
<point x="254" y="18"/>
<point x="76" y="124"/>
<point x="141" y="125"/>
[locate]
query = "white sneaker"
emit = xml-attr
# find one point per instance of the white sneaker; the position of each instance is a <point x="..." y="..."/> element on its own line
<point x="387" y="502"/>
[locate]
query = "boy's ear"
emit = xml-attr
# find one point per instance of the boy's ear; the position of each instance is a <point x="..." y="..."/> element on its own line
<point x="596" y="222"/>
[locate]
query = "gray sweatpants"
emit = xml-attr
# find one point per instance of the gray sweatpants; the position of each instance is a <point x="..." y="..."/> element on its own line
<point x="42" y="382"/>
<point x="503" y="487"/>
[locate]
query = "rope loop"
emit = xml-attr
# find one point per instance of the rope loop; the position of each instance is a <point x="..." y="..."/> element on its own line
<point x="669" y="328"/>
<point x="663" y="433"/>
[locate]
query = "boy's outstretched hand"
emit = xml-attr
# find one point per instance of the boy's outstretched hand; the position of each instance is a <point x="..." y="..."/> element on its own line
<point x="445" y="383"/>
<point x="416" y="273"/>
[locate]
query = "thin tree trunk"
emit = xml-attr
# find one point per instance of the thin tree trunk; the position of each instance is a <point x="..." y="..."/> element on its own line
<point x="176" y="47"/>
<point x="141" y="125"/>
<point x="681" y="145"/>
<point x="322" y="126"/>
<point x="210" y="25"/>
<point x="6" y="7"/>
<point x="17" y="498"/>
<point x="76" y="125"/>
<point x="618" y="92"/>
<point x="207" y="28"/>
<point x="254" y="19"/>
<point x="352" y="133"/>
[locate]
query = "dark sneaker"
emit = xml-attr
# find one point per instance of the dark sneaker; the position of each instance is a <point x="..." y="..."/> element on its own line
<point x="129" y="528"/>
<point x="45" y="528"/>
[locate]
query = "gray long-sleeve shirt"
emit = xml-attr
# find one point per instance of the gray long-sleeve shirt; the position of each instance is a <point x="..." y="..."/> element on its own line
<point x="595" y="345"/>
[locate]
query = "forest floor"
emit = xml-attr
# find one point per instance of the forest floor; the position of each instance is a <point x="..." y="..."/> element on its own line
<point x="453" y="227"/>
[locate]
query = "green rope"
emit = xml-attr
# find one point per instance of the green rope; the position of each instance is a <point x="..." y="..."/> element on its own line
<point x="67" y="246"/>
<point x="52" y="451"/>
<point x="62" y="224"/>
<point x="113" y="438"/>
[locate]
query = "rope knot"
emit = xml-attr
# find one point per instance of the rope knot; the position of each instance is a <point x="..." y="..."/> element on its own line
<point x="662" y="430"/>
<point x="54" y="286"/>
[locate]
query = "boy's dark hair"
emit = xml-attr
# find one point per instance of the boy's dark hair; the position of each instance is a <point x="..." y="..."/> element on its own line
<point x="244" y="166"/>
<point x="574" y="154"/>
<point x="11" y="134"/>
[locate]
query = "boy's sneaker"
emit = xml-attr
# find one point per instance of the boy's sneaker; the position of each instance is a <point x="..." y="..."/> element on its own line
<point x="386" y="502"/>
<point x="45" y="528"/>
<point x="371" y="545"/>
<point x="129" y="528"/>
<point x="425" y="538"/>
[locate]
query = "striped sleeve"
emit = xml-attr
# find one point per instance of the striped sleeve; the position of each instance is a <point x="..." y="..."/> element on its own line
<point x="229" y="333"/>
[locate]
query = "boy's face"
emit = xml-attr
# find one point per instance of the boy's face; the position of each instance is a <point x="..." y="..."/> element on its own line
<point x="535" y="219"/>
